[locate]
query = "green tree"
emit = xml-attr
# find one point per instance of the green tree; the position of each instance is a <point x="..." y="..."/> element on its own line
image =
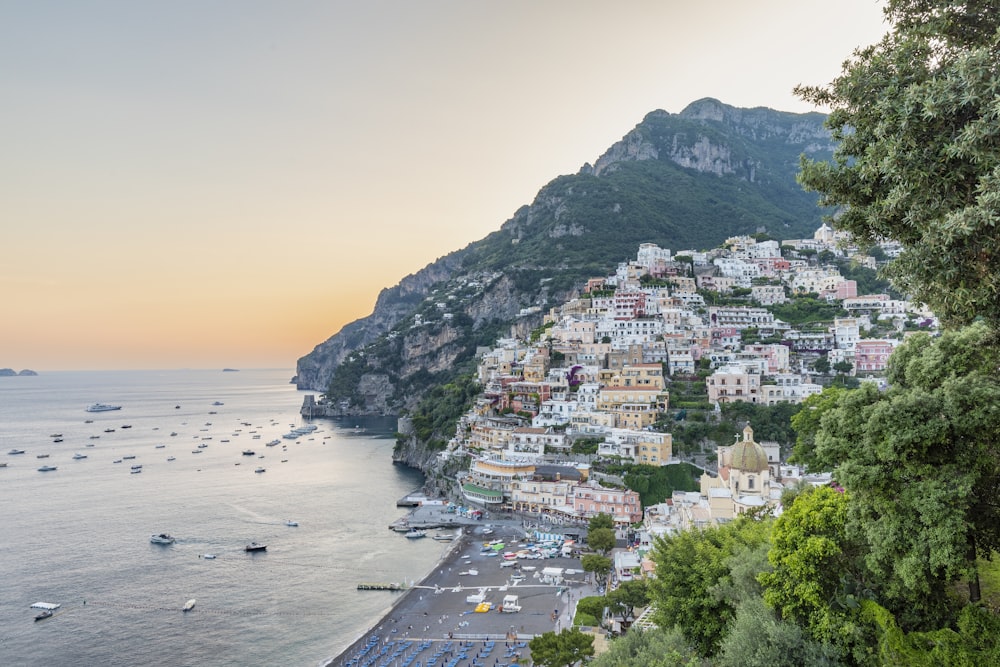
<point x="922" y="465"/>
<point x="689" y="567"/>
<point x="601" y="540"/>
<point x="843" y="367"/>
<point x="561" y="650"/>
<point x="599" y="565"/>
<point x="918" y="152"/>
<point x="822" y="365"/>
<point x="757" y="638"/>
<point x="806" y="423"/>
<point x="623" y="600"/>
<point x="816" y="581"/>
<point x="649" y="648"/>
<point x="602" y="520"/>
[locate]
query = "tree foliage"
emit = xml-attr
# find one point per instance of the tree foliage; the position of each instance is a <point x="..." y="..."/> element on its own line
<point x="602" y="520"/>
<point x="561" y="650"/>
<point x="922" y="463"/>
<point x="623" y="600"/>
<point x="689" y="565"/>
<point x="599" y="565"/>
<point x="918" y="156"/>
<point x="649" y="648"/>
<point x="601" y="539"/>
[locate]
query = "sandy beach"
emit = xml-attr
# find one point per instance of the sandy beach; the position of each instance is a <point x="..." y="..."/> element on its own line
<point x="433" y="618"/>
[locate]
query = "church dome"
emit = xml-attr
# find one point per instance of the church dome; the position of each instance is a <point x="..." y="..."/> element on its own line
<point x="748" y="456"/>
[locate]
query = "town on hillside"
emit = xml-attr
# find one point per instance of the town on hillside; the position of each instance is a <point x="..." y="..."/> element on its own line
<point x="600" y="370"/>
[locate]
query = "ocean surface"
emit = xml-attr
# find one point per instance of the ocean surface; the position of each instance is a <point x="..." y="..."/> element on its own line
<point x="79" y="535"/>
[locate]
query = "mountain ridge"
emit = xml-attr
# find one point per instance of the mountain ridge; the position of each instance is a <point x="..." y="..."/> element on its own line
<point x="686" y="180"/>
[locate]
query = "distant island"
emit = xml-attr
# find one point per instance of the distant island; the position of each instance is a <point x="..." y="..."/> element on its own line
<point x="230" y="370"/>
<point x="9" y="372"/>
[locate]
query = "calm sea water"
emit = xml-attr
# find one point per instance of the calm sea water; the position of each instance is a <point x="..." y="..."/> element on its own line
<point x="79" y="535"/>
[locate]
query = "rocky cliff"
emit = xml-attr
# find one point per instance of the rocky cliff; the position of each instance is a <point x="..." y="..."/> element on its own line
<point x="686" y="180"/>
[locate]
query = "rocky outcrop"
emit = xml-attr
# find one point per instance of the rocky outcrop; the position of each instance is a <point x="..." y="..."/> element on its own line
<point x="10" y="372"/>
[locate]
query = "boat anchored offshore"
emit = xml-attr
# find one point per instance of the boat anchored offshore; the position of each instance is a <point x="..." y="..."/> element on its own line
<point x="189" y="605"/>
<point x="102" y="407"/>
<point x="254" y="546"/>
<point x="162" y="538"/>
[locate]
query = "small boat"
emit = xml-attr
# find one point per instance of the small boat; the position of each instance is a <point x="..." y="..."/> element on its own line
<point x="55" y="435"/>
<point x="46" y="468"/>
<point x="416" y="534"/>
<point x="218" y="403"/>
<point x="292" y="524"/>
<point x="260" y="470"/>
<point x="248" y="452"/>
<point x="177" y="407"/>
<point x="130" y="456"/>
<point x="160" y="446"/>
<point x="42" y="456"/>
<point x="189" y="605"/>
<point x="94" y="437"/>
<point x="137" y="466"/>
<point x="3" y="464"/>
<point x="126" y="426"/>
<point x="135" y="471"/>
<point x="102" y="407"/>
<point x="173" y="433"/>
<point x="45" y="614"/>
<point x="444" y="538"/>
<point x="109" y="430"/>
<point x="79" y="456"/>
<point x="209" y="556"/>
<point x="171" y="458"/>
<point x="273" y="443"/>
<point x="197" y="451"/>
<point x="117" y="461"/>
<point x="57" y="440"/>
<point x="162" y="538"/>
<point x="16" y="451"/>
<point x="253" y="546"/>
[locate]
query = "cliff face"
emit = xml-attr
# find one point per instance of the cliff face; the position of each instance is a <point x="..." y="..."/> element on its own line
<point x="686" y="180"/>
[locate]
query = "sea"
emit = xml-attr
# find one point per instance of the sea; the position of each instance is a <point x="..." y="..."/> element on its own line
<point x="79" y="536"/>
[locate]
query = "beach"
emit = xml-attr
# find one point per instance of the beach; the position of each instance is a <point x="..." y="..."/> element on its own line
<point x="433" y="618"/>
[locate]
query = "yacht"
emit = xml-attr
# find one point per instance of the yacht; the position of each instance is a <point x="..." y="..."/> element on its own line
<point x="102" y="407"/>
<point x="46" y="468"/>
<point x="162" y="538"/>
<point x="16" y="451"/>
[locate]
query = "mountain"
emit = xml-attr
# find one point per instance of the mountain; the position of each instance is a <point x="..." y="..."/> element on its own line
<point x="682" y="181"/>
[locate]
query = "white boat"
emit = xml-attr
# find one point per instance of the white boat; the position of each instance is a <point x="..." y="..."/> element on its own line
<point x="189" y="605"/>
<point x="162" y="538"/>
<point x="46" y="468"/>
<point x="16" y="451"/>
<point x="292" y="524"/>
<point x="79" y="456"/>
<point x="209" y="556"/>
<point x="416" y="534"/>
<point x="102" y="407"/>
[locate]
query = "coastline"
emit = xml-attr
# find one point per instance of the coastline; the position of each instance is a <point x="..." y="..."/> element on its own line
<point x="435" y="614"/>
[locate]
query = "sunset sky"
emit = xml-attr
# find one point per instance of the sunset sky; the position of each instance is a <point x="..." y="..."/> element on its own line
<point x="208" y="184"/>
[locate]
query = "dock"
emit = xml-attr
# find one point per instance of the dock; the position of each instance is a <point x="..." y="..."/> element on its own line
<point x="381" y="587"/>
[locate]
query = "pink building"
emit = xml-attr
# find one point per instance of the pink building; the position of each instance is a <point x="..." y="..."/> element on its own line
<point x="871" y="355"/>
<point x="591" y="499"/>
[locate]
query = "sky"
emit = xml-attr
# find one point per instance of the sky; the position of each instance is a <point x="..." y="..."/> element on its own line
<point x="226" y="183"/>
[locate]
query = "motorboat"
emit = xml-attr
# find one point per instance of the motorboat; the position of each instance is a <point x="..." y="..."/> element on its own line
<point x="209" y="556"/>
<point x="135" y="471"/>
<point x="130" y="456"/>
<point x="102" y="407"/>
<point x="79" y="456"/>
<point x="292" y="524"/>
<point x="261" y="470"/>
<point x="171" y="458"/>
<point x="16" y="451"/>
<point x="416" y="534"/>
<point x="46" y="468"/>
<point x="43" y="615"/>
<point x="189" y="605"/>
<point x="218" y="403"/>
<point x="126" y="426"/>
<point x="55" y="435"/>
<point x="162" y="538"/>
<point x="42" y="456"/>
<point x="160" y="446"/>
<point x="248" y="452"/>
<point x="254" y="546"/>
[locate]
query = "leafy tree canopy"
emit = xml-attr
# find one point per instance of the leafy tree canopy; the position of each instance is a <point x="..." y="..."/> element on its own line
<point x="561" y="650"/>
<point x="918" y="157"/>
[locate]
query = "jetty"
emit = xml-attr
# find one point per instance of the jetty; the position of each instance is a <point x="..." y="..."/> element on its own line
<point x="394" y="586"/>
